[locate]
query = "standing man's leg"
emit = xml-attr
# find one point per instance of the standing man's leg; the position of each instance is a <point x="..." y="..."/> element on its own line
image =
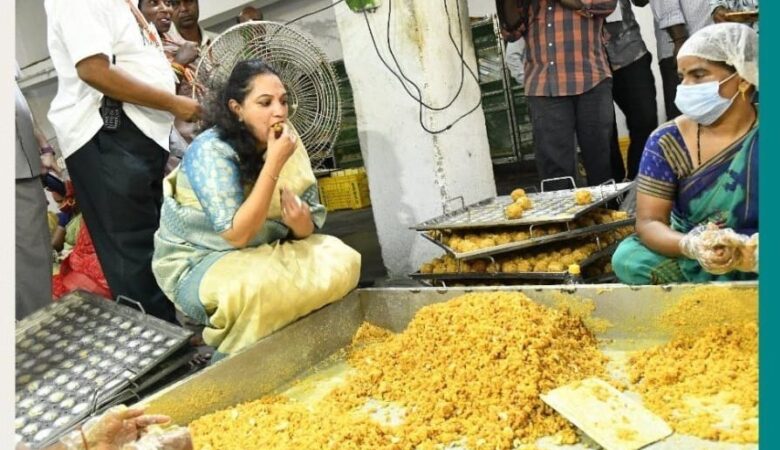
<point x="552" y="119"/>
<point x="595" y="114"/>
<point x="670" y="80"/>
<point x="33" y="248"/>
<point x="634" y="92"/>
<point x="117" y="177"/>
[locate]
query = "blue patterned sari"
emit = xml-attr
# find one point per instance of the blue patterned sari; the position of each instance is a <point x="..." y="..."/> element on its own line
<point x="243" y="294"/>
<point x="724" y="191"/>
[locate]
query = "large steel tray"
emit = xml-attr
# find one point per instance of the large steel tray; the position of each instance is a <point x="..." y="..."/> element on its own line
<point x="285" y="356"/>
<point x="549" y="207"/>
<point x="533" y="242"/>
<point x="78" y="353"/>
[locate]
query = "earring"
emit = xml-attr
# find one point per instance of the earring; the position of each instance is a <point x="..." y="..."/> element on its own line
<point x="743" y="90"/>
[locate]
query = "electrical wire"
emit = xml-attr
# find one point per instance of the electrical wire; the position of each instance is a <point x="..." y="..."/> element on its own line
<point x="314" y="12"/>
<point x="401" y="76"/>
<point x="403" y="79"/>
<point x="418" y="98"/>
<point x="459" y="51"/>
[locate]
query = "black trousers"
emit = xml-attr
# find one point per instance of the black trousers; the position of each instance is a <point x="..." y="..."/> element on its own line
<point x="117" y="177"/>
<point x="634" y="92"/>
<point x="556" y="120"/>
<point x="668" y="68"/>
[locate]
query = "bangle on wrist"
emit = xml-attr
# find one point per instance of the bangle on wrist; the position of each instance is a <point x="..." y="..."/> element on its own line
<point x="47" y="149"/>
<point x="273" y="177"/>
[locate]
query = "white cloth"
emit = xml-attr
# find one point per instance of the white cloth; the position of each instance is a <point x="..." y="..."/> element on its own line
<point x="515" y="60"/>
<point x="735" y="44"/>
<point x="78" y="29"/>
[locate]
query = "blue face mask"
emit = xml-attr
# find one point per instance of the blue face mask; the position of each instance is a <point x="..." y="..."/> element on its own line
<point x="702" y="102"/>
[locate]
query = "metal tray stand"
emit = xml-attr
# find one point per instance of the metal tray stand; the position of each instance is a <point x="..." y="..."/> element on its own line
<point x="548" y="207"/>
<point x="533" y="242"/>
<point x="604" y="251"/>
<point x="76" y="354"/>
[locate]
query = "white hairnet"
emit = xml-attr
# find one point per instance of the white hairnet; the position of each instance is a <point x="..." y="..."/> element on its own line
<point x="732" y="43"/>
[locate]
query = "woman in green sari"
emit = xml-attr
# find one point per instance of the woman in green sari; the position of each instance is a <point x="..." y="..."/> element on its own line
<point x="236" y="248"/>
<point x="697" y="188"/>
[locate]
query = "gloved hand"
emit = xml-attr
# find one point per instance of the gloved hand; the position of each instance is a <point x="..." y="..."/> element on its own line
<point x="176" y="438"/>
<point x="113" y="429"/>
<point x="749" y="255"/>
<point x="719" y="251"/>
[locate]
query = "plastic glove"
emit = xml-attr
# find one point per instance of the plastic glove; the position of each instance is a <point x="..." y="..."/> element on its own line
<point x="749" y="255"/>
<point x="116" y="427"/>
<point x="176" y="438"/>
<point x="719" y="251"/>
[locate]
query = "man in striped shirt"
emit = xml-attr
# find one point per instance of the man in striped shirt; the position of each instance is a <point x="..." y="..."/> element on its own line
<point x="568" y="81"/>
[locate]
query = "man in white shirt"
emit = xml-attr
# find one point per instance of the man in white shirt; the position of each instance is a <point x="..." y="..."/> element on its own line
<point x="116" y="149"/>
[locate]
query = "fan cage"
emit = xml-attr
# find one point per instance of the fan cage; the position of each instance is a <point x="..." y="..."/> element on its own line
<point x="311" y="83"/>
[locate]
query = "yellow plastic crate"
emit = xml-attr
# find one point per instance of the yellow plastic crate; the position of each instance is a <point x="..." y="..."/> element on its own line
<point x="345" y="189"/>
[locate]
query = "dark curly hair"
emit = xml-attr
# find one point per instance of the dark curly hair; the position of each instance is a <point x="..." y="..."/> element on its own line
<point x="219" y="116"/>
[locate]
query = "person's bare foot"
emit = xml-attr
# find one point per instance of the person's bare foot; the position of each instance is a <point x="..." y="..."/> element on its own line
<point x="200" y="360"/>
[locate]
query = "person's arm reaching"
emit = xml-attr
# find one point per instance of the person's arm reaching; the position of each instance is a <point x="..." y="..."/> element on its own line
<point x="250" y="217"/>
<point x="678" y="34"/>
<point x="48" y="161"/>
<point x="718" y="10"/>
<point x="670" y="17"/>
<point x="118" y="84"/>
<point x="86" y="28"/>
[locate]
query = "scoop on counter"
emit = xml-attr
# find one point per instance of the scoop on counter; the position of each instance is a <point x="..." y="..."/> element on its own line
<point x="606" y="415"/>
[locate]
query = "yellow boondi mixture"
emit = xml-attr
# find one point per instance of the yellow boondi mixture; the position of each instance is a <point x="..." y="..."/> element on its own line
<point x="582" y="308"/>
<point x="698" y="382"/>
<point x="583" y="197"/>
<point x="463" y="241"/>
<point x="469" y="370"/>
<point x="555" y="257"/>
<point x="705" y="306"/>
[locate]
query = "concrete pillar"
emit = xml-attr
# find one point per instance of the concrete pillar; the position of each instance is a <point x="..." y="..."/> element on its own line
<point x="412" y="173"/>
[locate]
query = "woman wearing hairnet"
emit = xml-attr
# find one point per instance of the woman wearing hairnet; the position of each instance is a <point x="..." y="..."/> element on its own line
<point x="697" y="189"/>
